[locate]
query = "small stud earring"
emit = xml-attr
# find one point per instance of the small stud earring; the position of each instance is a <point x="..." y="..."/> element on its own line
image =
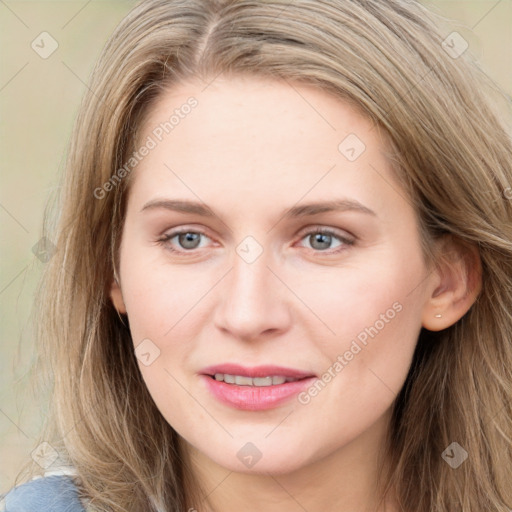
<point x="438" y="315"/>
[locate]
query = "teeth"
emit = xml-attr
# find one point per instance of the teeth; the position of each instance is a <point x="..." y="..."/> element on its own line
<point x="241" y="380"/>
<point x="229" y="379"/>
<point x="262" y="381"/>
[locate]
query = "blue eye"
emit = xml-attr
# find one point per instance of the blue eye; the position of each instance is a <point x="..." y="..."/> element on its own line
<point x="321" y="240"/>
<point x="188" y="240"/>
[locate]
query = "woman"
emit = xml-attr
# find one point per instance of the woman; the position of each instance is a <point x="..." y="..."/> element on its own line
<point x="284" y="268"/>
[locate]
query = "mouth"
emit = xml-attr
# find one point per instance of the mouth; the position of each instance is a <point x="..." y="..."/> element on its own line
<point x="242" y="380"/>
<point x="255" y="372"/>
<point x="257" y="388"/>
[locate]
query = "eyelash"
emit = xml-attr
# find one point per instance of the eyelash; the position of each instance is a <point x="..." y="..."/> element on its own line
<point x="165" y="239"/>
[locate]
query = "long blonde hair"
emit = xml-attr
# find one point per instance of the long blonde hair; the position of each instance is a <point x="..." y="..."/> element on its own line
<point x="451" y="149"/>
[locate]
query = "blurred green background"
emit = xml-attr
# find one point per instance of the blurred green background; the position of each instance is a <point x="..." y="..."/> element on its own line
<point x="39" y="98"/>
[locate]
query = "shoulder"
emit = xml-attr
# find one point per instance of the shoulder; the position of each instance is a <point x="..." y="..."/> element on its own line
<point x="56" y="493"/>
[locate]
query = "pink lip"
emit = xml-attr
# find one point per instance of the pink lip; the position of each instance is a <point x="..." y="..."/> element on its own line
<point x="252" y="398"/>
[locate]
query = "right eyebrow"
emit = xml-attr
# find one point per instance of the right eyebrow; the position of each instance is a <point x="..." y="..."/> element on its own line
<point x="179" y="206"/>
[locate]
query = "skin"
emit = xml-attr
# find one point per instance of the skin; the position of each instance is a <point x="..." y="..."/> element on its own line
<point x="251" y="149"/>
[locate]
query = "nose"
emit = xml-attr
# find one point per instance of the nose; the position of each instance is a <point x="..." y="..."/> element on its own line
<point x="254" y="303"/>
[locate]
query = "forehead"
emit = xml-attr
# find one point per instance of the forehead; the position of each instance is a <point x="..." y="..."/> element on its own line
<point x="256" y="108"/>
<point x="248" y="136"/>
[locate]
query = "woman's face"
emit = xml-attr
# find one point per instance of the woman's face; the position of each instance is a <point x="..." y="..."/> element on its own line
<point x="302" y="260"/>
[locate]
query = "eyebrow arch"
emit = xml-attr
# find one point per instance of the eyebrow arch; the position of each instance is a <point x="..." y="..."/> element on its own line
<point x="303" y="210"/>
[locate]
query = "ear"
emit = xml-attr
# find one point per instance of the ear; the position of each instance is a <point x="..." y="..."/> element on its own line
<point x="456" y="283"/>
<point x="117" y="297"/>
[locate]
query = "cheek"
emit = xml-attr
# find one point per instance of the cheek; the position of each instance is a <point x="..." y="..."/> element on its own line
<point x="374" y="312"/>
<point x="349" y="300"/>
<point x="158" y="296"/>
<point x="159" y="302"/>
<point x="166" y="310"/>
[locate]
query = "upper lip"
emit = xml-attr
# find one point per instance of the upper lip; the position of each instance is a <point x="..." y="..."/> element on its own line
<point x="256" y="371"/>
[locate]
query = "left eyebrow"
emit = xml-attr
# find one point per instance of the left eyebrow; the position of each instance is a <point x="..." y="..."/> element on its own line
<point x="304" y="210"/>
<point x="336" y="205"/>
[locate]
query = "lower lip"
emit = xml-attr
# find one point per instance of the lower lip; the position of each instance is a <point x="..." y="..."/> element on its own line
<point x="255" y="398"/>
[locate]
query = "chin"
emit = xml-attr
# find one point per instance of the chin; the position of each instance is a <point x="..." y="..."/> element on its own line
<point x="260" y="457"/>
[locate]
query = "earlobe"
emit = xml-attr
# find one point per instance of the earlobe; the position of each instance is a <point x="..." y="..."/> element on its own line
<point x="116" y="296"/>
<point x="455" y="287"/>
